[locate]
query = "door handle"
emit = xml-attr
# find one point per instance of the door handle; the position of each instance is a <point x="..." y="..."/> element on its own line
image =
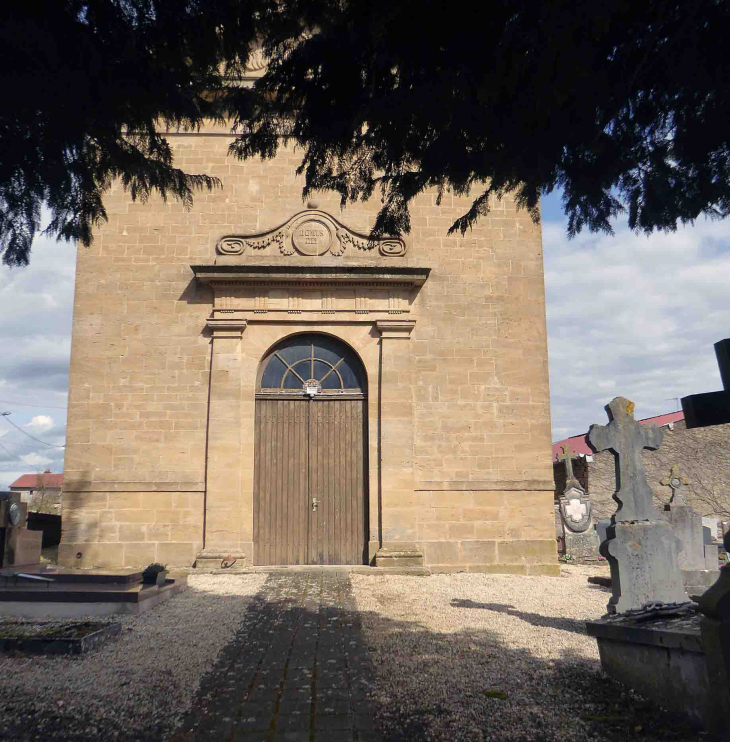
<point x="315" y="503"/>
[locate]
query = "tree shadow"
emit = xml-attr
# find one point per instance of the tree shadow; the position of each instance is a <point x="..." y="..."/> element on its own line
<point x="416" y="684"/>
<point x="305" y="662"/>
<point x="535" y="619"/>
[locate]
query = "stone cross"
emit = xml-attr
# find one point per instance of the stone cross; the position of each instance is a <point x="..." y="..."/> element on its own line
<point x="627" y="438"/>
<point x="677" y="483"/>
<point x="567" y="458"/>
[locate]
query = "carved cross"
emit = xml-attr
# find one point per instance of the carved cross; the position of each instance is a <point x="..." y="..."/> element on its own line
<point x="576" y="510"/>
<point x="677" y="483"/>
<point x="626" y="438"/>
<point x="567" y="458"/>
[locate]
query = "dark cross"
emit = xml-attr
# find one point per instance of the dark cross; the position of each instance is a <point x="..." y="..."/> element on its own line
<point x="626" y="439"/>
<point x="567" y="457"/>
<point x="676" y="482"/>
<point x="711" y="408"/>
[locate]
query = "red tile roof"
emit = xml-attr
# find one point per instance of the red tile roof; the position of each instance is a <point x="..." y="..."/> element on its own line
<point x="30" y="481"/>
<point x="579" y="444"/>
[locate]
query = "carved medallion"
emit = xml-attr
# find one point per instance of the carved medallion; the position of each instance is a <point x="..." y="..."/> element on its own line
<point x="310" y="233"/>
<point x="312" y="237"/>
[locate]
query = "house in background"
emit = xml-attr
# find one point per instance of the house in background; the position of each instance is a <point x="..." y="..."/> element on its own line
<point x="41" y="491"/>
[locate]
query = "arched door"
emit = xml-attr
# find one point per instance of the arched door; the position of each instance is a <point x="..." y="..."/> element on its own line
<point x="310" y="468"/>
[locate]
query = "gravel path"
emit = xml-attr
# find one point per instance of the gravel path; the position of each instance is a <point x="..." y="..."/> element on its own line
<point x="489" y="657"/>
<point x="133" y="688"/>
<point x="448" y="658"/>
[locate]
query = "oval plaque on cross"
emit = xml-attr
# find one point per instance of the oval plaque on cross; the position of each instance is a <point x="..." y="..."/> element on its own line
<point x="312" y="237"/>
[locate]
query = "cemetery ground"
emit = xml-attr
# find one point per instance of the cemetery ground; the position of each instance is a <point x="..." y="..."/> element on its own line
<point x="325" y="655"/>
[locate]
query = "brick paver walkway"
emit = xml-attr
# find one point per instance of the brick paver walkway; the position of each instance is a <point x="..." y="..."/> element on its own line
<point x="296" y="671"/>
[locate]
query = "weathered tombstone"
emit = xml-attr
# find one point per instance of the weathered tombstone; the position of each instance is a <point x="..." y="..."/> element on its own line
<point x="641" y="547"/>
<point x="698" y="559"/>
<point x="686" y="522"/>
<point x="18" y="545"/>
<point x="712" y="548"/>
<point x="581" y="542"/>
<point x="676" y="483"/>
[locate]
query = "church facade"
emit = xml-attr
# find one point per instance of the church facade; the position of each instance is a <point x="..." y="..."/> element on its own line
<point x="255" y="380"/>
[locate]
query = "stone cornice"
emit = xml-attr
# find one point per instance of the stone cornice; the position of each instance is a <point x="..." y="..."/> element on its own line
<point x="321" y="274"/>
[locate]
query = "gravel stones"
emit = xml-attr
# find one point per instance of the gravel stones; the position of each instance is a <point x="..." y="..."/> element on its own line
<point x="463" y="657"/>
<point x="494" y="657"/>
<point x="134" y="688"/>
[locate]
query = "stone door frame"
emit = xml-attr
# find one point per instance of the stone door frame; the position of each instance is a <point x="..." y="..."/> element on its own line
<point x="240" y="339"/>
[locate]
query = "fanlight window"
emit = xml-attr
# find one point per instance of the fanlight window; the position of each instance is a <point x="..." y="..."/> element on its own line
<point x="312" y="362"/>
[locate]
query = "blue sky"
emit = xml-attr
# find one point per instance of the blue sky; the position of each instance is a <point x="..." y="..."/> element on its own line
<point x="627" y="315"/>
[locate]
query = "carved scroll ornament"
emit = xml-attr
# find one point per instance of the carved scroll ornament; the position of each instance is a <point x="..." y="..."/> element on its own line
<point x="310" y="233"/>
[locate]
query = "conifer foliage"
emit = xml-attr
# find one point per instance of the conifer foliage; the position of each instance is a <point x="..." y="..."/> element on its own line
<point x="623" y="105"/>
<point x="89" y="88"/>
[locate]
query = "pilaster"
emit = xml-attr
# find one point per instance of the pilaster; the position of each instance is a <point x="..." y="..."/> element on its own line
<point x="225" y="524"/>
<point x="397" y="481"/>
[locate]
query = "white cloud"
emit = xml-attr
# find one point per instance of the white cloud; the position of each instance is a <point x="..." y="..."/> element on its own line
<point x="35" y="459"/>
<point x="634" y="316"/>
<point x="40" y="423"/>
<point x="35" y="331"/>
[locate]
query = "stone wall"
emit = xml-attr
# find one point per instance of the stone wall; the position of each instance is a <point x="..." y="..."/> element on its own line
<point x="470" y="479"/>
<point x="131" y="529"/>
<point x="702" y="454"/>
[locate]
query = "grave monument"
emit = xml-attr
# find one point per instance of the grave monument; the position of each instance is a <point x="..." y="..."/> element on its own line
<point x="641" y="547"/>
<point x="652" y="638"/>
<point x="18" y="545"/>
<point x="581" y="541"/>
<point x="697" y="560"/>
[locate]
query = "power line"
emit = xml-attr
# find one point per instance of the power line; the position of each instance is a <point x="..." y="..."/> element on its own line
<point x="8" y="452"/>
<point x="10" y="442"/>
<point x="25" y="404"/>
<point x="50" y="445"/>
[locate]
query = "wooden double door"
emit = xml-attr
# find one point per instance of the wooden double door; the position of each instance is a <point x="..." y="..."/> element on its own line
<point x="310" y="480"/>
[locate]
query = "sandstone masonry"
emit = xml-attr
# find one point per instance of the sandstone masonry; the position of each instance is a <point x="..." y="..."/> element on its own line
<point x="165" y="361"/>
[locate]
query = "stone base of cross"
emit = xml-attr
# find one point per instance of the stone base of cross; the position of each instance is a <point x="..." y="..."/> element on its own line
<point x="643" y="558"/>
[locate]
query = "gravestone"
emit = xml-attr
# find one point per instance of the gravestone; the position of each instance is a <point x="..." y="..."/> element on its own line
<point x="712" y="408"/>
<point x="581" y="541"/>
<point x="698" y="559"/>
<point x="18" y="545"/>
<point x="712" y="548"/>
<point x="687" y="524"/>
<point x="641" y="546"/>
